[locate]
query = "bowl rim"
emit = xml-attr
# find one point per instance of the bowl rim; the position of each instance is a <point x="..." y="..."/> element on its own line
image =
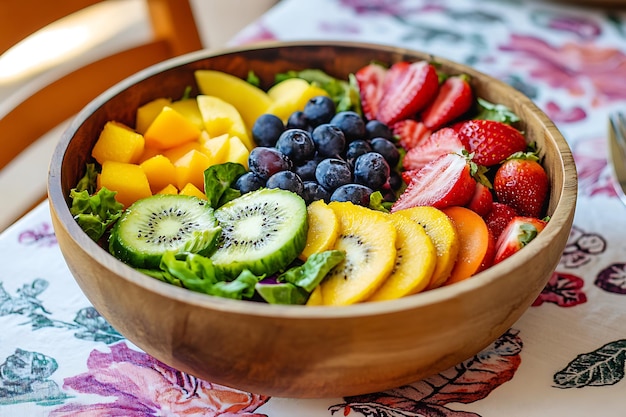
<point x="560" y="218"/>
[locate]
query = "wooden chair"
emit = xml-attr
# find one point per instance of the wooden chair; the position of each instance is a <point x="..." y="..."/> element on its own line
<point x="174" y="33"/>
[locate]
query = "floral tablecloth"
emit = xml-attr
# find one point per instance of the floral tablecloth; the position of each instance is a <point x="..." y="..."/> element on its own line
<point x="565" y="357"/>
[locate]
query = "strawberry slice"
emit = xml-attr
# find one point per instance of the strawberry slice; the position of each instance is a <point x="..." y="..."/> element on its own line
<point x="482" y="200"/>
<point x="446" y="181"/>
<point x="407" y="89"/>
<point x="490" y="141"/>
<point x="410" y="132"/>
<point x="522" y="183"/>
<point x="499" y="216"/>
<point x="443" y="141"/>
<point x="370" y="82"/>
<point x="519" y="232"/>
<point x="454" y="98"/>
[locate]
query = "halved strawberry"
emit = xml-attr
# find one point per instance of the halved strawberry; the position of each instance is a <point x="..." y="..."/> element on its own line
<point x="490" y="141"/>
<point x="370" y="82"/>
<point x="499" y="216"/>
<point x="522" y="183"/>
<point x="407" y="89"/>
<point x="454" y="98"/>
<point x="482" y="200"/>
<point x="442" y="141"/>
<point x="410" y="132"/>
<point x="519" y="232"/>
<point x="446" y="181"/>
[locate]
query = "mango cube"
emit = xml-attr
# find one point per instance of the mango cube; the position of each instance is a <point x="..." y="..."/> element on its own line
<point x="190" y="169"/>
<point x="189" y="108"/>
<point x="178" y="151"/>
<point x="148" y="112"/>
<point x="117" y="142"/>
<point x="221" y="117"/>
<point x="128" y="180"/>
<point x="217" y="146"/>
<point x="190" y="189"/>
<point x="168" y="189"/>
<point x="160" y="172"/>
<point x="237" y="151"/>
<point x="169" y="129"/>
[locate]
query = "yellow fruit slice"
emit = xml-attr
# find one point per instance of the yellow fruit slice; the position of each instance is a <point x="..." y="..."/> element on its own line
<point x="323" y="229"/>
<point x="160" y="172"/>
<point x="168" y="189"/>
<point x="416" y="259"/>
<point x="118" y="142"/>
<point x="315" y="299"/>
<point x="190" y="169"/>
<point x="237" y="151"/>
<point x="128" y="180"/>
<point x="188" y="107"/>
<point x="221" y="117"/>
<point x="291" y="95"/>
<point x="169" y="129"/>
<point x="444" y="236"/>
<point x="217" y="146"/>
<point x="368" y="239"/>
<point x="250" y="101"/>
<point x="190" y="189"/>
<point x="148" y="112"/>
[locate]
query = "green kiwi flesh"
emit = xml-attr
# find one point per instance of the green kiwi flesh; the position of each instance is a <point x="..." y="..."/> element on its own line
<point x="262" y="231"/>
<point x="160" y="223"/>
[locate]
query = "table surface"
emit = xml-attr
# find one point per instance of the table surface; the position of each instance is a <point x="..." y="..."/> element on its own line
<point x="566" y="356"/>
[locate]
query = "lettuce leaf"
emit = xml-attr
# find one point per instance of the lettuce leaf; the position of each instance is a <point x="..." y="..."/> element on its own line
<point x="497" y="112"/>
<point x="218" y="180"/>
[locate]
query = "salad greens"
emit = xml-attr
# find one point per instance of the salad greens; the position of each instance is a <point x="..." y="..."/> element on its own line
<point x="497" y="112"/>
<point x="218" y="180"/>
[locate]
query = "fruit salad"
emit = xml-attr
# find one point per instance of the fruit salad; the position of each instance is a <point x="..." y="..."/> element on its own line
<point x="318" y="191"/>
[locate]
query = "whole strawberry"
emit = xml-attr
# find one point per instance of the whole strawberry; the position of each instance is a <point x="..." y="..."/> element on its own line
<point x="522" y="183"/>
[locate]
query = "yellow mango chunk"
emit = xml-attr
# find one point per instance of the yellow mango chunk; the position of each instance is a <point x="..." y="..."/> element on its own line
<point x="217" y="146"/>
<point x="169" y="129"/>
<point x="323" y="229"/>
<point x="149" y="152"/>
<point x="148" y="112"/>
<point x="118" y="142"/>
<point x="189" y="108"/>
<point x="128" y="180"/>
<point x="190" y="189"/>
<point x="168" y="189"/>
<point x="179" y="151"/>
<point x="221" y="117"/>
<point x="237" y="151"/>
<point x="190" y="169"/>
<point x="160" y="172"/>
<point x="249" y="100"/>
<point x="292" y="95"/>
<point x="315" y="299"/>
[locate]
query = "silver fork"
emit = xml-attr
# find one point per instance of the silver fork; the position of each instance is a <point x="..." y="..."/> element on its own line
<point x="617" y="152"/>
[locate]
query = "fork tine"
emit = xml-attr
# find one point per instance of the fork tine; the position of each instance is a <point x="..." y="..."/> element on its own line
<point x="618" y="124"/>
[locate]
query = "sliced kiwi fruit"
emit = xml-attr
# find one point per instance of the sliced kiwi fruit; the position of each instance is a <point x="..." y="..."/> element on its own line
<point x="160" y="223"/>
<point x="263" y="231"/>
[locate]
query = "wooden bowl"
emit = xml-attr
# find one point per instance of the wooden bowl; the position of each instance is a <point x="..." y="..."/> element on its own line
<point x="296" y="351"/>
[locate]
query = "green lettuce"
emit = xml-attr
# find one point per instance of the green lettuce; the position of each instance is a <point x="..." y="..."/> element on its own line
<point x="218" y="181"/>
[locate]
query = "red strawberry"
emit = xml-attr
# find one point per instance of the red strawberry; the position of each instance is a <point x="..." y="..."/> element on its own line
<point x="499" y="216"/>
<point x="370" y="82"/>
<point x="446" y="181"/>
<point x="518" y="233"/>
<point x="407" y="89"/>
<point x="442" y="141"/>
<point x="522" y="183"/>
<point x="407" y="176"/>
<point x="410" y="132"/>
<point x="489" y="256"/>
<point x="454" y="98"/>
<point x="490" y="141"/>
<point x="482" y="200"/>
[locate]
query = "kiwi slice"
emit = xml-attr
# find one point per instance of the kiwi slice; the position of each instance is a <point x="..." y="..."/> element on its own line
<point x="262" y="231"/>
<point x="163" y="222"/>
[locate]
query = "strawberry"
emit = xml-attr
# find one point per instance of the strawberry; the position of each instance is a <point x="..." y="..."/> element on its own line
<point x="455" y="97"/>
<point x="499" y="216"/>
<point x="490" y="141"/>
<point x="482" y="200"/>
<point x="522" y="183"/>
<point x="446" y="181"/>
<point x="370" y="81"/>
<point x="410" y="132"/>
<point x="442" y="141"/>
<point x="519" y="232"/>
<point x="407" y="89"/>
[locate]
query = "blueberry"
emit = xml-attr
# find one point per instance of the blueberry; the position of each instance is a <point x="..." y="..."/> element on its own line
<point x="395" y="180"/>
<point x="318" y="110"/>
<point x="355" y="149"/>
<point x="297" y="120"/>
<point x="313" y="192"/>
<point x="266" y="162"/>
<point x="351" y="123"/>
<point x="329" y="140"/>
<point x="377" y="129"/>
<point x="306" y="170"/>
<point x="332" y="173"/>
<point x="286" y="180"/>
<point x="372" y="170"/>
<point x="266" y="130"/>
<point x="296" y="144"/>
<point x="355" y="193"/>
<point x="387" y="149"/>
<point x="249" y="182"/>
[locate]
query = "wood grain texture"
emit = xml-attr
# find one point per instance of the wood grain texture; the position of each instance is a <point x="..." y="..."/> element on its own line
<point x="295" y="351"/>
